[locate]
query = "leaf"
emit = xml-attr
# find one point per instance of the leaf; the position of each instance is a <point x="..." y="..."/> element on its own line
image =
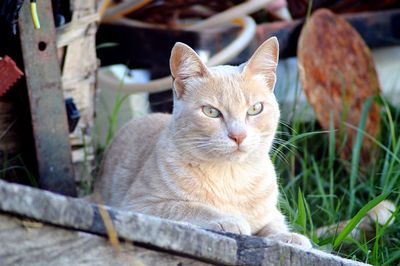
<point x="357" y="218"/>
<point x="301" y="211"/>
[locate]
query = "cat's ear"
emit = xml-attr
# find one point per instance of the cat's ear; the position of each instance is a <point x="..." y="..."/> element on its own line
<point x="184" y="64"/>
<point x="263" y="62"/>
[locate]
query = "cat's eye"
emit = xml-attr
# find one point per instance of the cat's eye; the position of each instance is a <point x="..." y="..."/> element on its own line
<point x="211" y="111"/>
<point x="255" y="109"/>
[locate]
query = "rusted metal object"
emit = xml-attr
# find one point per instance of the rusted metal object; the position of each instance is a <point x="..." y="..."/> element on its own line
<point x="49" y="119"/>
<point x="338" y="75"/>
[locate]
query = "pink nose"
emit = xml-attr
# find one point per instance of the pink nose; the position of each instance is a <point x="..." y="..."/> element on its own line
<point x="237" y="137"/>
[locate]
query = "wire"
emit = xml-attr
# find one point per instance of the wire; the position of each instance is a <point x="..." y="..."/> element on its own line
<point x="34" y="14"/>
<point x="124" y="8"/>
<point x="242" y="41"/>
<point x="236" y="14"/>
<point x="103" y="7"/>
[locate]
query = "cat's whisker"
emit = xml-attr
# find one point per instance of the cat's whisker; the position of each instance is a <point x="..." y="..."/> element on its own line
<point x="205" y="147"/>
<point x="283" y="144"/>
<point x="283" y="133"/>
<point x="288" y="151"/>
<point x="287" y="126"/>
<point x="280" y="155"/>
<point x="280" y="149"/>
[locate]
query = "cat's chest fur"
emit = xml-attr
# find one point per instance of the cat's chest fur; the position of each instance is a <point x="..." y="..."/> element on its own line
<point x="248" y="189"/>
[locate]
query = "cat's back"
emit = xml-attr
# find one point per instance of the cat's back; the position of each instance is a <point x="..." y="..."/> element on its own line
<point x="127" y="154"/>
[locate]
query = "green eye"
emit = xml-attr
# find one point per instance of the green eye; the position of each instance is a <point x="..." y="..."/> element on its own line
<point x="255" y="109"/>
<point x="211" y="112"/>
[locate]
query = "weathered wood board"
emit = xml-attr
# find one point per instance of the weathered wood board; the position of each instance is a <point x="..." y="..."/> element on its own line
<point x="57" y="238"/>
<point x="43" y="244"/>
<point x="79" y="70"/>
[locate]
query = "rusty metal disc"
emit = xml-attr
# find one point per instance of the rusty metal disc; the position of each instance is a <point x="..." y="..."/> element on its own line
<point x="338" y="75"/>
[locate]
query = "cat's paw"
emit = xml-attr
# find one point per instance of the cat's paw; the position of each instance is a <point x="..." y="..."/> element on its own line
<point x="230" y="224"/>
<point x="292" y="238"/>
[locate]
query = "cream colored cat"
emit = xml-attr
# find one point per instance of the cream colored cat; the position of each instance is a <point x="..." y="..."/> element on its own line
<point x="207" y="163"/>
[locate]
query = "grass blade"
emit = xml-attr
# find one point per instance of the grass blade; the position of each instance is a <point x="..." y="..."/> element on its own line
<point x="301" y="211"/>
<point x="357" y="218"/>
<point x="356" y="153"/>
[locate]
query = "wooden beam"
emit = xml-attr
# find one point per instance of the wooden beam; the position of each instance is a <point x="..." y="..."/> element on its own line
<point x="49" y="121"/>
<point x="144" y="231"/>
<point x="25" y="242"/>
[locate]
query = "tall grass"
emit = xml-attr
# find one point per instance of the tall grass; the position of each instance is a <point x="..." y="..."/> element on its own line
<point x="319" y="188"/>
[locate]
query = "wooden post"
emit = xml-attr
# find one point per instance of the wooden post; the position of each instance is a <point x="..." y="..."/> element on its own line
<point x="49" y="121"/>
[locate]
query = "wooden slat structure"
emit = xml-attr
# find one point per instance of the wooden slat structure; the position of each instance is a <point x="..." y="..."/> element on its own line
<point x="42" y="228"/>
<point x="57" y="64"/>
<point x="77" y="42"/>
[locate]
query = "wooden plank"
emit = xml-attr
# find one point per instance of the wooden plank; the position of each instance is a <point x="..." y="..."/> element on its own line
<point x="25" y="242"/>
<point x="76" y="30"/>
<point x="49" y="119"/>
<point x="155" y="233"/>
<point x="80" y="63"/>
<point x="79" y="77"/>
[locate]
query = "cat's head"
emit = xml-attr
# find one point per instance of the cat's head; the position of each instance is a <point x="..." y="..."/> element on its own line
<point x="224" y="112"/>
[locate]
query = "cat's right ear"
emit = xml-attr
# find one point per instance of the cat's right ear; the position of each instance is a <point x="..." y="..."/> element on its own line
<point x="184" y="64"/>
<point x="263" y="62"/>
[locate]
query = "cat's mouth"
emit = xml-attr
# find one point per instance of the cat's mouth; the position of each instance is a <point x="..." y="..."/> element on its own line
<point x="239" y="150"/>
<point x="237" y="155"/>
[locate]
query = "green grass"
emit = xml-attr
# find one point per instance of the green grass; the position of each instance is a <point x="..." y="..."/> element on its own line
<point x="14" y="169"/>
<point x="319" y="188"/>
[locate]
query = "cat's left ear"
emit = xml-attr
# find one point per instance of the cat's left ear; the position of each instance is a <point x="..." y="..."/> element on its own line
<point x="185" y="64"/>
<point x="263" y="63"/>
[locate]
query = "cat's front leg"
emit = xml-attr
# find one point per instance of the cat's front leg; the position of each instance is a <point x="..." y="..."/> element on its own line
<point x="199" y="214"/>
<point x="277" y="229"/>
<point x="208" y="217"/>
<point x="227" y="223"/>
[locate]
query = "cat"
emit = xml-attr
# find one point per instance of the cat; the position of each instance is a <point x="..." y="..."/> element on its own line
<point x="206" y="164"/>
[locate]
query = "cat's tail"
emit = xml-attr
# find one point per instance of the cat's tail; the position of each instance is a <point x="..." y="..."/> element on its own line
<point x="381" y="214"/>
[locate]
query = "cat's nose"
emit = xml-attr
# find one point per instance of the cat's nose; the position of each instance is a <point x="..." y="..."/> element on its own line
<point x="238" y="137"/>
